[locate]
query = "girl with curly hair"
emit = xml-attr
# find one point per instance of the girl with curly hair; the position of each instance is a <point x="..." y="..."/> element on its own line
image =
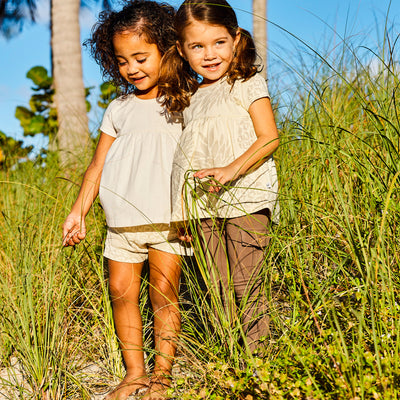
<point x="131" y="170"/>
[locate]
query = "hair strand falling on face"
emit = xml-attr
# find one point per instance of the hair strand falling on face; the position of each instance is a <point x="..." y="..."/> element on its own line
<point x="178" y="82"/>
<point x="152" y="20"/>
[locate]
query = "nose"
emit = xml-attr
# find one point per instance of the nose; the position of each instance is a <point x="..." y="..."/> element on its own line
<point x="132" y="68"/>
<point x="209" y="53"/>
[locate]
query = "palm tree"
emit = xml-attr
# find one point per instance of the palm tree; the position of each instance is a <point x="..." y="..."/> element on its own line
<point x="260" y="31"/>
<point x="73" y="134"/>
<point x="73" y="130"/>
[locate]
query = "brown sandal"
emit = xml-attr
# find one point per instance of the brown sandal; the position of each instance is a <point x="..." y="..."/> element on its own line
<point x="158" y="388"/>
<point x="136" y="388"/>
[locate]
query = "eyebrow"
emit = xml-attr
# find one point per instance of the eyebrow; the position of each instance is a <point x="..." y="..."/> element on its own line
<point x="199" y="42"/>
<point x="139" y="53"/>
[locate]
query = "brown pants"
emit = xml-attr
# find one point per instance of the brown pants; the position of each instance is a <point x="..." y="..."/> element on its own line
<point x="234" y="252"/>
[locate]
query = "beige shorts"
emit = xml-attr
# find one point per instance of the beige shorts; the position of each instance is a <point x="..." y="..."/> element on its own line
<point x="131" y="244"/>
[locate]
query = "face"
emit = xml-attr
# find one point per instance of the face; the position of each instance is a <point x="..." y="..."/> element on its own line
<point x="209" y="49"/>
<point x="138" y="63"/>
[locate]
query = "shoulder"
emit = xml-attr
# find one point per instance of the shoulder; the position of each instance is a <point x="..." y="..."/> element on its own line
<point x="114" y="113"/>
<point x="116" y="106"/>
<point x="245" y="92"/>
<point x="120" y="101"/>
<point x="256" y="83"/>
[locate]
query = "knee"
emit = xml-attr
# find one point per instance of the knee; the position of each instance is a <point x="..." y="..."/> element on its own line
<point x="162" y="294"/>
<point x="121" y="288"/>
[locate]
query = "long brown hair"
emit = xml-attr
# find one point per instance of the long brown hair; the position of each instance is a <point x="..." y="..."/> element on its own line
<point x="178" y="82"/>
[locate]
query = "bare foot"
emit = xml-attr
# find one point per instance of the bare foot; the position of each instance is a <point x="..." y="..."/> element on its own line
<point x="129" y="385"/>
<point x="159" y="386"/>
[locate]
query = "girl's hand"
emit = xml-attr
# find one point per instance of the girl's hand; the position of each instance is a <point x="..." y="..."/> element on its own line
<point x="184" y="235"/>
<point x="221" y="175"/>
<point x="74" y="230"/>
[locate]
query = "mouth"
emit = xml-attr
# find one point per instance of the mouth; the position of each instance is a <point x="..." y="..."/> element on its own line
<point x="137" y="80"/>
<point x="212" y="67"/>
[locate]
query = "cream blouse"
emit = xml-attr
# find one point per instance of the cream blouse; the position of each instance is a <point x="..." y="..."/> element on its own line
<point x="135" y="187"/>
<point x="218" y="129"/>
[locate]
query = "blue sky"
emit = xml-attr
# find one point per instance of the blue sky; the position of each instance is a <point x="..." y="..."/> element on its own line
<point x="320" y="23"/>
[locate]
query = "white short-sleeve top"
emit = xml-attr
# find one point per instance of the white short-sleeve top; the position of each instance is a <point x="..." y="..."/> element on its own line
<point x="217" y="130"/>
<point x="135" y="187"/>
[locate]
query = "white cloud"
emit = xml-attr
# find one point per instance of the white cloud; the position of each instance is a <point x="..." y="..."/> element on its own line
<point x="43" y="12"/>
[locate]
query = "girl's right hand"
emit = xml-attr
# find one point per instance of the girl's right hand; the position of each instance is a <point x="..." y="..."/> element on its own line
<point x="74" y="230"/>
<point x="221" y="175"/>
<point x="184" y="235"/>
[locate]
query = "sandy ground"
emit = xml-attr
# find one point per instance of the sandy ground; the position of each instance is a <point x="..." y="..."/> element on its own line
<point x="12" y="378"/>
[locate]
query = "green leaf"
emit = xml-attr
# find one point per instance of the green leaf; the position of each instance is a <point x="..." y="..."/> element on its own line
<point x="39" y="102"/>
<point x="108" y="93"/>
<point x="38" y="75"/>
<point x="88" y="90"/>
<point x="24" y="115"/>
<point x="107" y="88"/>
<point x="37" y="125"/>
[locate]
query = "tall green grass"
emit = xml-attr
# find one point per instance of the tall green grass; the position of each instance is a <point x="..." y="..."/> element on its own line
<point x="331" y="270"/>
<point x="54" y="303"/>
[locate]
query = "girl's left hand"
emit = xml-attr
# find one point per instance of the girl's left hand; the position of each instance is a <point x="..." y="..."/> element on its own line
<point x="221" y="175"/>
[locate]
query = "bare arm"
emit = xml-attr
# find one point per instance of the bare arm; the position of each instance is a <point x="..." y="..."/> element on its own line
<point x="266" y="143"/>
<point x="74" y="229"/>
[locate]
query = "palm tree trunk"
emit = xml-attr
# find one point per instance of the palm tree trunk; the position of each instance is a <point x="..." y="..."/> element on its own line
<point x="260" y="31"/>
<point x="73" y="133"/>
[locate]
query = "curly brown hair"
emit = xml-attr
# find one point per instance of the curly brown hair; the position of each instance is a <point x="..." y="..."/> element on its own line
<point x="148" y="18"/>
<point x="178" y="82"/>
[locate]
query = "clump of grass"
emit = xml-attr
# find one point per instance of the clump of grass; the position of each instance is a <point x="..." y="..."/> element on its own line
<point x="339" y="231"/>
<point x="45" y="322"/>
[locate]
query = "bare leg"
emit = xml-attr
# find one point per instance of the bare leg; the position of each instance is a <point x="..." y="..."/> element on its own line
<point x="165" y="271"/>
<point x="124" y="289"/>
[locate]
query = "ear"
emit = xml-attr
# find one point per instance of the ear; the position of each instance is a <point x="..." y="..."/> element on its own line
<point x="236" y="40"/>
<point x="180" y="50"/>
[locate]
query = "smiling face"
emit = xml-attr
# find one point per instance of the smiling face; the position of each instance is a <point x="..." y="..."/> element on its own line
<point x="209" y="49"/>
<point x="138" y="63"/>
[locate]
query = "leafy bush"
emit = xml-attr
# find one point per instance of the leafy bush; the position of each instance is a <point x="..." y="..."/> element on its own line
<point x="11" y="151"/>
<point x="41" y="116"/>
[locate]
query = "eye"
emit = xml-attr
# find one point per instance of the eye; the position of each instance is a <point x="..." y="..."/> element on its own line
<point x="121" y="63"/>
<point x="220" y="42"/>
<point x="142" y="60"/>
